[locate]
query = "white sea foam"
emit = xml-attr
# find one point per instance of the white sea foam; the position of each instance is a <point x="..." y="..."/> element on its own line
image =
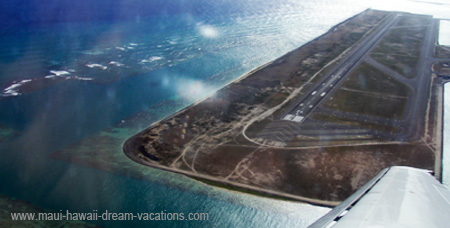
<point x="12" y="89"/>
<point x="131" y="48"/>
<point x="151" y="59"/>
<point x="133" y="44"/>
<point x="120" y="48"/>
<point x="25" y="81"/>
<point x="116" y="63"/>
<point x="82" y="78"/>
<point x="59" y="72"/>
<point x="154" y="58"/>
<point x="10" y="93"/>
<point x="95" y="65"/>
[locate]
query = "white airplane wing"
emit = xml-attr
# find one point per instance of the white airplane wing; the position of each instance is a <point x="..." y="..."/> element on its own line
<point x="396" y="197"/>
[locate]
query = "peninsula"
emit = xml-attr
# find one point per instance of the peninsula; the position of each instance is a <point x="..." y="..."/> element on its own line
<point x="319" y="122"/>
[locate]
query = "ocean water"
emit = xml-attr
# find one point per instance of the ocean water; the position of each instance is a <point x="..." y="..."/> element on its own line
<point x="70" y="80"/>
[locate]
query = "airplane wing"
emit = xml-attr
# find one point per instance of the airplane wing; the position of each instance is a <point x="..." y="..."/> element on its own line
<point x="397" y="197"/>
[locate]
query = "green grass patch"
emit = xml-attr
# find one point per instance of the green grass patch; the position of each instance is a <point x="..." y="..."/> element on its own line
<point x="400" y="49"/>
<point x="413" y="20"/>
<point x="367" y="104"/>
<point x="404" y="65"/>
<point x="354" y="123"/>
<point x="370" y="79"/>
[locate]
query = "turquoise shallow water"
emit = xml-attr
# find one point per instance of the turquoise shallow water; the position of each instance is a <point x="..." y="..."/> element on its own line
<point x="63" y="152"/>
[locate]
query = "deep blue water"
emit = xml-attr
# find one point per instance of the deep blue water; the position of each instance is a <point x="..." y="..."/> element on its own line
<point x="124" y="57"/>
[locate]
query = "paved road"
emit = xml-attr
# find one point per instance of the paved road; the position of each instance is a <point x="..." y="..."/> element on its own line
<point x="320" y="91"/>
<point x="410" y="127"/>
<point x="416" y="116"/>
<point x="410" y="82"/>
<point x="412" y="124"/>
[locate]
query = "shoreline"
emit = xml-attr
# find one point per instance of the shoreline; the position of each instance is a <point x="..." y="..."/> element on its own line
<point x="194" y="140"/>
<point x="141" y="161"/>
<point x="256" y="69"/>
